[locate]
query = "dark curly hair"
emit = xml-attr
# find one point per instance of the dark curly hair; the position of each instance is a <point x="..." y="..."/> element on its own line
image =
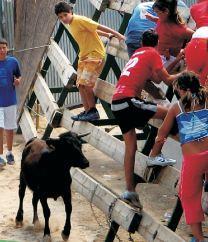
<point x="63" y="7"/>
<point x="150" y="38"/>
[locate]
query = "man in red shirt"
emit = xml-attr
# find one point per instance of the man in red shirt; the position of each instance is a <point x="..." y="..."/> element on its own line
<point x="130" y="110"/>
<point x="199" y="13"/>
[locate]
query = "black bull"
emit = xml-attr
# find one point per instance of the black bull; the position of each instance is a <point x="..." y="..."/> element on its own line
<point x="45" y="169"/>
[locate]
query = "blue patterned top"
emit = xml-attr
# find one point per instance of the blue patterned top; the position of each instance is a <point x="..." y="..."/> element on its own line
<point x="192" y="125"/>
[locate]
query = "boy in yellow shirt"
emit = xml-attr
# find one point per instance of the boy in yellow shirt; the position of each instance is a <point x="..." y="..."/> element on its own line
<point x="86" y="33"/>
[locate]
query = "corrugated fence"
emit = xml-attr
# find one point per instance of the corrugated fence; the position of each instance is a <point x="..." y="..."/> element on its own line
<point x="109" y="18"/>
<point x="7" y="21"/>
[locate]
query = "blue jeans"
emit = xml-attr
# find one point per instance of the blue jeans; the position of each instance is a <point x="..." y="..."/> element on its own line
<point x="132" y="47"/>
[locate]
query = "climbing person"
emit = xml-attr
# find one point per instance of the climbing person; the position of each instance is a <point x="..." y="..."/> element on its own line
<point x="131" y="111"/>
<point x="86" y="33"/>
<point x="191" y="113"/>
<point x="172" y="31"/>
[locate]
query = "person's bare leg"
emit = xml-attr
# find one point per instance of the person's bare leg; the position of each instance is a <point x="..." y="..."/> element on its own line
<point x="129" y="158"/>
<point x="197" y="231"/>
<point x="1" y="140"/>
<point x="90" y="97"/>
<point x="161" y="112"/>
<point x="84" y="97"/>
<point x="9" y="139"/>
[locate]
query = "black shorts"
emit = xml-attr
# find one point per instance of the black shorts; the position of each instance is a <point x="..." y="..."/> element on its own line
<point x="132" y="113"/>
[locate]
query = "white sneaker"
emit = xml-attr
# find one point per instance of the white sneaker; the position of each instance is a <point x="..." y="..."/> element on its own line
<point x="160" y="160"/>
<point x="132" y="198"/>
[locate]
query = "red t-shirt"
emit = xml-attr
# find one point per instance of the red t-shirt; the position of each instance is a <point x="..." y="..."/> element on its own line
<point x="171" y="36"/>
<point x="141" y="67"/>
<point x="199" y="13"/>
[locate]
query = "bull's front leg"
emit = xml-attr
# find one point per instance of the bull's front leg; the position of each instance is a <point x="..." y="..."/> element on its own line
<point x="68" y="208"/>
<point x="22" y="188"/>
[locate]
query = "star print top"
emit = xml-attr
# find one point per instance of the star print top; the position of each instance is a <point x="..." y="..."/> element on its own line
<point x="192" y="125"/>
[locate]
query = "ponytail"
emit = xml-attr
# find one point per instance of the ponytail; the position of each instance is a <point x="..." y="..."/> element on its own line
<point x="196" y="94"/>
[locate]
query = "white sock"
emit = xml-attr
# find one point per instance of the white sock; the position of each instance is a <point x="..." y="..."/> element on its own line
<point x="9" y="152"/>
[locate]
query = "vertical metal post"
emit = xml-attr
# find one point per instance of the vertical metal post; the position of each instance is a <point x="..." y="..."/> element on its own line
<point x="112" y="232"/>
<point x="176" y="216"/>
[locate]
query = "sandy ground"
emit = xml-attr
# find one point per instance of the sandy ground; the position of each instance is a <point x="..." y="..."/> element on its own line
<point x="88" y="223"/>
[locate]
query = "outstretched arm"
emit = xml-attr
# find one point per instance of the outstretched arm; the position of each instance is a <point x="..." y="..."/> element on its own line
<point x="172" y="65"/>
<point x="151" y="17"/>
<point x="163" y="131"/>
<point x="165" y="77"/>
<point x="107" y="30"/>
<point x="108" y="35"/>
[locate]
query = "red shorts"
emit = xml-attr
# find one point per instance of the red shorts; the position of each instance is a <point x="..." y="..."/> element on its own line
<point x="196" y="54"/>
<point x="191" y="183"/>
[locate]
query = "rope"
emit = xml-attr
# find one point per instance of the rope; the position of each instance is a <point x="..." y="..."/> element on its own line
<point x="37" y="114"/>
<point x="27" y="49"/>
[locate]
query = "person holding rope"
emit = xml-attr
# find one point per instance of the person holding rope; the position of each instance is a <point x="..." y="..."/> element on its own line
<point x="86" y="33"/>
<point x="133" y="112"/>
<point x="191" y="113"/>
<point x="10" y="77"/>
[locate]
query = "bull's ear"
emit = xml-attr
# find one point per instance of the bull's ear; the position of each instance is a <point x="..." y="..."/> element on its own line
<point x="51" y="141"/>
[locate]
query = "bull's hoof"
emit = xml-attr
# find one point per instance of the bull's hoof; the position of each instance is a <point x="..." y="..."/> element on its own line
<point x="19" y="224"/>
<point x="37" y="225"/>
<point x="64" y="237"/>
<point x="47" y="238"/>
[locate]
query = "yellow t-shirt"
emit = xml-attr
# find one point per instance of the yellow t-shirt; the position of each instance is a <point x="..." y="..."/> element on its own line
<point x="84" y="32"/>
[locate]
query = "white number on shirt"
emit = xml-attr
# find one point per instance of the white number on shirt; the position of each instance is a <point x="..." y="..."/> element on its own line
<point x="132" y="62"/>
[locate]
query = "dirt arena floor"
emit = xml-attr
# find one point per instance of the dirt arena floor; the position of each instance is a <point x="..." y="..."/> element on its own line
<point x="88" y="223"/>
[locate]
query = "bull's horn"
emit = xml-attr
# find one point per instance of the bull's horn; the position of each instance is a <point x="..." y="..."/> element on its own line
<point x="83" y="135"/>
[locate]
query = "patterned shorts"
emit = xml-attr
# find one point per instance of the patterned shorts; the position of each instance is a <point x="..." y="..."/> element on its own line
<point x="88" y="71"/>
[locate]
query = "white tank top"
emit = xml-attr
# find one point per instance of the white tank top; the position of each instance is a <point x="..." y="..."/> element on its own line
<point x="201" y="33"/>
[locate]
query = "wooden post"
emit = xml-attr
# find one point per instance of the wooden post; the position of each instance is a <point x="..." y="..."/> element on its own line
<point x="33" y="28"/>
<point x="61" y="64"/>
<point x="45" y="97"/>
<point x="27" y="125"/>
<point x="37" y="117"/>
